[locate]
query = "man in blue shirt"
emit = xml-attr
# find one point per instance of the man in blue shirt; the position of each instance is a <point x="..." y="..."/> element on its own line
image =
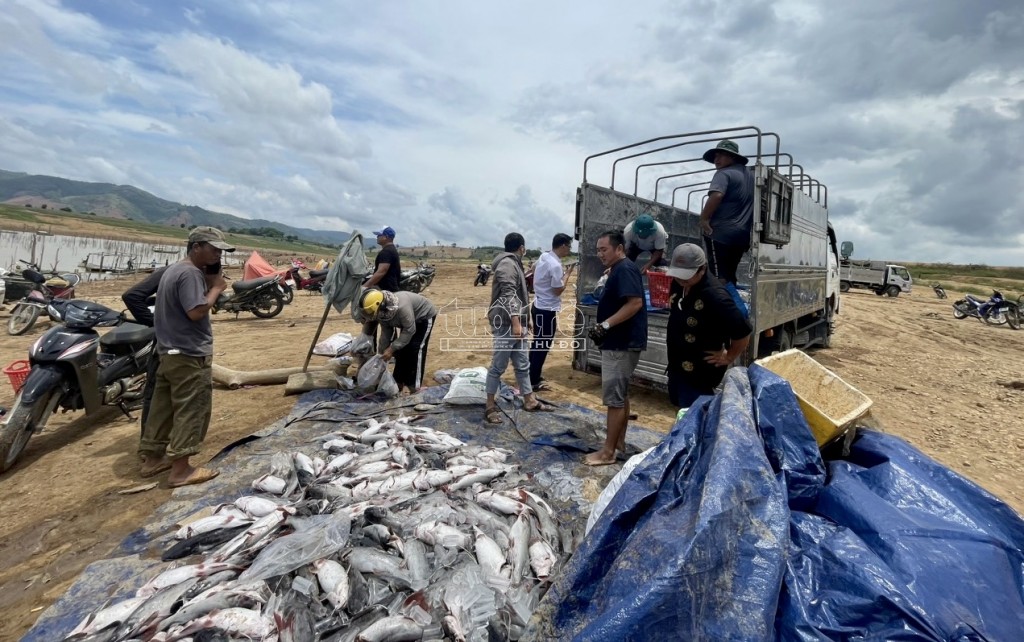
<point x="621" y="333"/>
<point x="728" y="216"/>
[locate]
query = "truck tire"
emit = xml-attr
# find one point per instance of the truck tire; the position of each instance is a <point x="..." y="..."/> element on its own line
<point x="844" y="286"/>
<point x="879" y="291"/>
<point x="892" y="291"/>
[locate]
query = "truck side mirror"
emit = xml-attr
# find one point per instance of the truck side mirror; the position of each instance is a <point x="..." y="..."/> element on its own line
<point x="846" y="249"/>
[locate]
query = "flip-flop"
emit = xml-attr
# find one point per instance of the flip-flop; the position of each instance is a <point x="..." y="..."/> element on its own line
<point x="493" y="415"/>
<point x="542" y="387"/>
<point x="540" y="407"/>
<point x="198" y="476"/>
<point x="152" y="471"/>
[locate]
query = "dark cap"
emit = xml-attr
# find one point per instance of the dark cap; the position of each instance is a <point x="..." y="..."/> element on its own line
<point x="686" y="260"/>
<point x="211" y="235"/>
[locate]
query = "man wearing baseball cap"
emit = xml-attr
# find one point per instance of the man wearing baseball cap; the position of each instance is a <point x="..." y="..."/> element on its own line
<point x="728" y="216"/>
<point x="179" y="414"/>
<point x="706" y="330"/>
<point x="644" y="234"/>
<point x="387" y="268"/>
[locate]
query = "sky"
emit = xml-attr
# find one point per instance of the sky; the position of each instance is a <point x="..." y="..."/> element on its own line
<point x="460" y="121"/>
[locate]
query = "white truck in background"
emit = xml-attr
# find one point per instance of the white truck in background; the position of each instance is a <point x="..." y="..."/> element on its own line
<point x="878" y="276"/>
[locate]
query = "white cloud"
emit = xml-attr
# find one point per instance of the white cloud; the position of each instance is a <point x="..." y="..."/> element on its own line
<point x="457" y="122"/>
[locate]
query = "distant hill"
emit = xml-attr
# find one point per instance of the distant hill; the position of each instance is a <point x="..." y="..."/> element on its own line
<point x="127" y="202"/>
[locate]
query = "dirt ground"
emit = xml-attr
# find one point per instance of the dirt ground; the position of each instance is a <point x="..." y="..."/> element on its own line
<point x="935" y="381"/>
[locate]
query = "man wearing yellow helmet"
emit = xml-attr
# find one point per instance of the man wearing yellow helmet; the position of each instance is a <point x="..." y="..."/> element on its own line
<point x="406" y="320"/>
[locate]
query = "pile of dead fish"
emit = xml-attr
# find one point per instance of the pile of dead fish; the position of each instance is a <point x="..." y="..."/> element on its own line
<point x="398" y="532"/>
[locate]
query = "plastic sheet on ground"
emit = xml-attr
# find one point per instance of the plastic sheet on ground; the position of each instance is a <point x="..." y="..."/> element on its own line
<point x="544" y="443"/>
<point x="733" y="528"/>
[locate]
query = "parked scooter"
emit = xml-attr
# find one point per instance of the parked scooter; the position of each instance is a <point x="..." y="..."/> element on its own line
<point x="259" y="296"/>
<point x="939" y="291"/>
<point x="313" y="283"/>
<point x="418" y="279"/>
<point x="27" y="311"/>
<point x="483" y="272"/>
<point x="995" y="311"/>
<point x="74" y="368"/>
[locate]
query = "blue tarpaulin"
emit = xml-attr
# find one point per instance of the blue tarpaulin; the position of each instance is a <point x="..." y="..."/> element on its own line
<point x="734" y="528"/>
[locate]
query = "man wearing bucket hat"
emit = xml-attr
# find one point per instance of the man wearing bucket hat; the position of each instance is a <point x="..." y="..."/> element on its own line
<point x="644" y="234"/>
<point x="179" y="414"/>
<point x="706" y="330"/>
<point x="728" y="215"/>
<point x="387" y="268"/>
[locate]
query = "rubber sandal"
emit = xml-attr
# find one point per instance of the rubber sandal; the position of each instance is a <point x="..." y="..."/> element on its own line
<point x="542" y="387"/>
<point x="540" y="407"/>
<point x="152" y="471"/>
<point x="198" y="476"/>
<point x="493" y="415"/>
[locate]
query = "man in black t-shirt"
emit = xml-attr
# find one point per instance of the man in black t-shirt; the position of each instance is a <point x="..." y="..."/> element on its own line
<point x="706" y="330"/>
<point x="387" y="269"/>
<point x="621" y="333"/>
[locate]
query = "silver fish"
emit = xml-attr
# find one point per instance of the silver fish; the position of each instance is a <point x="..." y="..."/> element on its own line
<point x="519" y="551"/>
<point x="333" y="580"/>
<point x="542" y="558"/>
<point x="181" y="574"/>
<point x="106" y="617"/>
<point x="396" y="628"/>
<point x="270" y="484"/>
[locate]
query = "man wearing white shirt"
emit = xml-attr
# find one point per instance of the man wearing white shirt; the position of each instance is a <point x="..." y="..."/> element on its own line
<point x="549" y="281"/>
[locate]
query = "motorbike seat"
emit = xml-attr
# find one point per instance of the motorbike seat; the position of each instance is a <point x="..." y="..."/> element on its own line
<point x="316" y="274"/>
<point x="975" y="299"/>
<point x="127" y="333"/>
<point x="251" y="284"/>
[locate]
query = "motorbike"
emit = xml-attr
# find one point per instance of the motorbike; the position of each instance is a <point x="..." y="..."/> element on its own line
<point x="37" y="301"/>
<point x="417" y="279"/>
<point x="74" y="368"/>
<point x="313" y="283"/>
<point x="259" y="296"/>
<point x="995" y="311"/>
<point x="483" y="272"/>
<point x="939" y="291"/>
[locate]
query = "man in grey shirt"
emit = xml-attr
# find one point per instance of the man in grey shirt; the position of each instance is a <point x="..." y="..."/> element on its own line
<point x="179" y="415"/>
<point x="728" y="216"/>
<point x="409" y="314"/>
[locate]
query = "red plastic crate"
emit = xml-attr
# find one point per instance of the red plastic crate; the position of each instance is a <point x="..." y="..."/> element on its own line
<point x="660" y="284"/>
<point x="17" y="372"/>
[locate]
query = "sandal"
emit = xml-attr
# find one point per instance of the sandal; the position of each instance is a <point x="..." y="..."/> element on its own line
<point x="493" y="414"/>
<point x="540" y="407"/>
<point x="542" y="387"/>
<point x="198" y="476"/>
<point x="148" y="469"/>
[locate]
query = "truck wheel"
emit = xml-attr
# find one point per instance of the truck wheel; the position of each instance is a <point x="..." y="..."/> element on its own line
<point x="785" y="340"/>
<point x="844" y="286"/>
<point x="892" y="291"/>
<point x="879" y="291"/>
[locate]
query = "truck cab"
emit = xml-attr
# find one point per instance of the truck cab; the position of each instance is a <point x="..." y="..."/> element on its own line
<point x="788" y="279"/>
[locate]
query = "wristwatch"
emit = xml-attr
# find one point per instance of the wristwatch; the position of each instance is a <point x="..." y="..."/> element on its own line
<point x="606" y="325"/>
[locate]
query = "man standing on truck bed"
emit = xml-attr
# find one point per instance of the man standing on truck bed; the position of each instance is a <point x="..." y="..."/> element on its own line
<point x="706" y="330"/>
<point x="621" y="334"/>
<point x="728" y="216"/>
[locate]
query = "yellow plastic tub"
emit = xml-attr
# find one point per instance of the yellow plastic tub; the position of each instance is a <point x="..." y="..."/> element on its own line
<point x="829" y="404"/>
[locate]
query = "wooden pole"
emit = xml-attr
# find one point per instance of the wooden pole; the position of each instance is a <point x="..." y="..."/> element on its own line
<point x="316" y="337"/>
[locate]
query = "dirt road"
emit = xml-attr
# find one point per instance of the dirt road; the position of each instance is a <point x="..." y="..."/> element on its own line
<point x="935" y="381"/>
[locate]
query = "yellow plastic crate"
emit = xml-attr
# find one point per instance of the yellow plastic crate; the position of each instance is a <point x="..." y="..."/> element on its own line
<point x="829" y="404"/>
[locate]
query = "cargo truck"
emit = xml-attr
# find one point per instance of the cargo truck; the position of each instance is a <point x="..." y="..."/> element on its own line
<point x="878" y="276"/>
<point x="789" y="277"/>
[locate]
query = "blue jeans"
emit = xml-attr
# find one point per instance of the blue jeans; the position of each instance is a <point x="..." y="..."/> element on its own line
<point x="506" y="348"/>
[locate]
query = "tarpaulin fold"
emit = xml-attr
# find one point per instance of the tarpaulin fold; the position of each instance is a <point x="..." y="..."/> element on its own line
<point x="734" y="528"/>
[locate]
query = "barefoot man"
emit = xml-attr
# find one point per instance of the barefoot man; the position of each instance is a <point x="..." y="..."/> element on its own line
<point x="621" y="333"/>
<point x="183" y="397"/>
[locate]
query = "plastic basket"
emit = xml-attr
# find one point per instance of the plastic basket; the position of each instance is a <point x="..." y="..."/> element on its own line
<point x="660" y="284"/>
<point x="829" y="404"/>
<point x="17" y="372"/>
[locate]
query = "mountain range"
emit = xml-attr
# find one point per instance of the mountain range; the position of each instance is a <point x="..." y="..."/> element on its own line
<point x="127" y="202"/>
